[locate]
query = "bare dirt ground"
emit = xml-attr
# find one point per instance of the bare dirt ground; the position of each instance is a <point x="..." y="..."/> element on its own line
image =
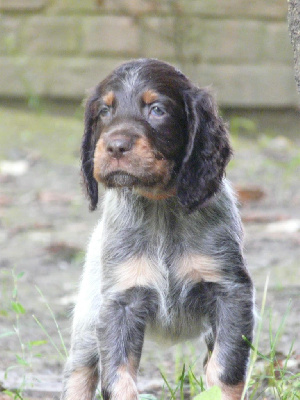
<point x="45" y="225"/>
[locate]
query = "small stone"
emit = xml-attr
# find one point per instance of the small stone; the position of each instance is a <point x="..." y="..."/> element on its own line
<point x="14" y="168"/>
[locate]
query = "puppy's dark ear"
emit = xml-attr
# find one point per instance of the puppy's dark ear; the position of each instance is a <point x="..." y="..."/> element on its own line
<point x="208" y="150"/>
<point x="87" y="151"/>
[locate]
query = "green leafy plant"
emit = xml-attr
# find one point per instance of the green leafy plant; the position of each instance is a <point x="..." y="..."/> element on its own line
<point x="213" y="393"/>
<point x="275" y="378"/>
<point x="242" y="125"/>
<point x="27" y="349"/>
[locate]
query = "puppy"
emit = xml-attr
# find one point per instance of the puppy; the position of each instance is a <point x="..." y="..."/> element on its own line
<point x="166" y="256"/>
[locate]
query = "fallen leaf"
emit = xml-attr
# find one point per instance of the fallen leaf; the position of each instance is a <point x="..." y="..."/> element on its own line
<point x="249" y="194"/>
<point x="262" y="217"/>
<point x="5" y="201"/>
<point x="63" y="251"/>
<point x="4" y="397"/>
<point x="47" y="197"/>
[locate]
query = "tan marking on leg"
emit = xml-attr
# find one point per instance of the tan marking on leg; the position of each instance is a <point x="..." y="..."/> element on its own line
<point x="233" y="392"/>
<point x="82" y="384"/>
<point x="133" y="365"/>
<point x="136" y="272"/>
<point x="213" y="373"/>
<point x="125" y="387"/>
<point x="109" y="98"/>
<point x="213" y="369"/>
<point x="197" y="267"/>
<point x="149" y="96"/>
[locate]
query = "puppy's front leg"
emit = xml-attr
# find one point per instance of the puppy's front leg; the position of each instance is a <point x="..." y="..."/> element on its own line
<point x="228" y="362"/>
<point x="121" y="334"/>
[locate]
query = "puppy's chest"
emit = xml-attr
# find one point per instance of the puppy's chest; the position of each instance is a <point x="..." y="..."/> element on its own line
<point x="159" y="259"/>
<point x="176" y="277"/>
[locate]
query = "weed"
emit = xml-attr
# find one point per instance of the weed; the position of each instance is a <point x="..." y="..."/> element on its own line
<point x="62" y="353"/>
<point x="240" y="125"/>
<point x="274" y="379"/>
<point x="25" y="357"/>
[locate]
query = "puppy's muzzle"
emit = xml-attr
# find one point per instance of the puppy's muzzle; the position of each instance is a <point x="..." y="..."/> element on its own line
<point x="118" y="145"/>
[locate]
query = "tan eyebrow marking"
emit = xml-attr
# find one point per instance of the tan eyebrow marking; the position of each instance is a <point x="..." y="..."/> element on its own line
<point x="149" y="96"/>
<point x="109" y="98"/>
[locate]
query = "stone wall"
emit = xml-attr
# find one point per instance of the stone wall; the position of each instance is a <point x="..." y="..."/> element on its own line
<point x="60" y="48"/>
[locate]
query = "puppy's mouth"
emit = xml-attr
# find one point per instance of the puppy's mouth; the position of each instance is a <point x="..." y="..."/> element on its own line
<point x="120" y="179"/>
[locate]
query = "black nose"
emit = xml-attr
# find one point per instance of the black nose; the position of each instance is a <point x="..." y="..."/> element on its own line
<point x="116" y="147"/>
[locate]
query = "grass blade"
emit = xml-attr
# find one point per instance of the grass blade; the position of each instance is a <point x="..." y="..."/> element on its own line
<point x="49" y="337"/>
<point x="55" y="321"/>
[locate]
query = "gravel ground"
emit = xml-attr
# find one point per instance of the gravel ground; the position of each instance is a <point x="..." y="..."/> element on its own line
<point x="45" y="225"/>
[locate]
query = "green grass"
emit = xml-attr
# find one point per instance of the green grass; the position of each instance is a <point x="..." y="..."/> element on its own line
<point x="54" y="138"/>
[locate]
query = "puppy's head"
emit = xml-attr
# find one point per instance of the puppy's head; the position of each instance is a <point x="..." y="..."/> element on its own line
<point x="149" y="128"/>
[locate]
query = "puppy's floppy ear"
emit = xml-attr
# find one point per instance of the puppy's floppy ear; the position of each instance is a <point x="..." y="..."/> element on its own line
<point x="207" y="153"/>
<point x="87" y="151"/>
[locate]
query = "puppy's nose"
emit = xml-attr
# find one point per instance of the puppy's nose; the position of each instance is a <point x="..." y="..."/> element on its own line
<point x="117" y="147"/>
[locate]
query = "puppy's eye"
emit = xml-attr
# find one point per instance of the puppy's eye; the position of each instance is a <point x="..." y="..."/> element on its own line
<point x="156" y="111"/>
<point x="104" y="111"/>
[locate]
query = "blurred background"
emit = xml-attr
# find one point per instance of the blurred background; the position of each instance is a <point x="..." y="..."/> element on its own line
<point x="51" y="53"/>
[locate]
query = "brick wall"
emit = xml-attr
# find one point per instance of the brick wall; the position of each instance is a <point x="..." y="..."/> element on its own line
<point x="60" y="48"/>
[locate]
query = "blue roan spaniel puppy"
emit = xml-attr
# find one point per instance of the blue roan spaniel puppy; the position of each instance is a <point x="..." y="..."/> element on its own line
<point x="166" y="257"/>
